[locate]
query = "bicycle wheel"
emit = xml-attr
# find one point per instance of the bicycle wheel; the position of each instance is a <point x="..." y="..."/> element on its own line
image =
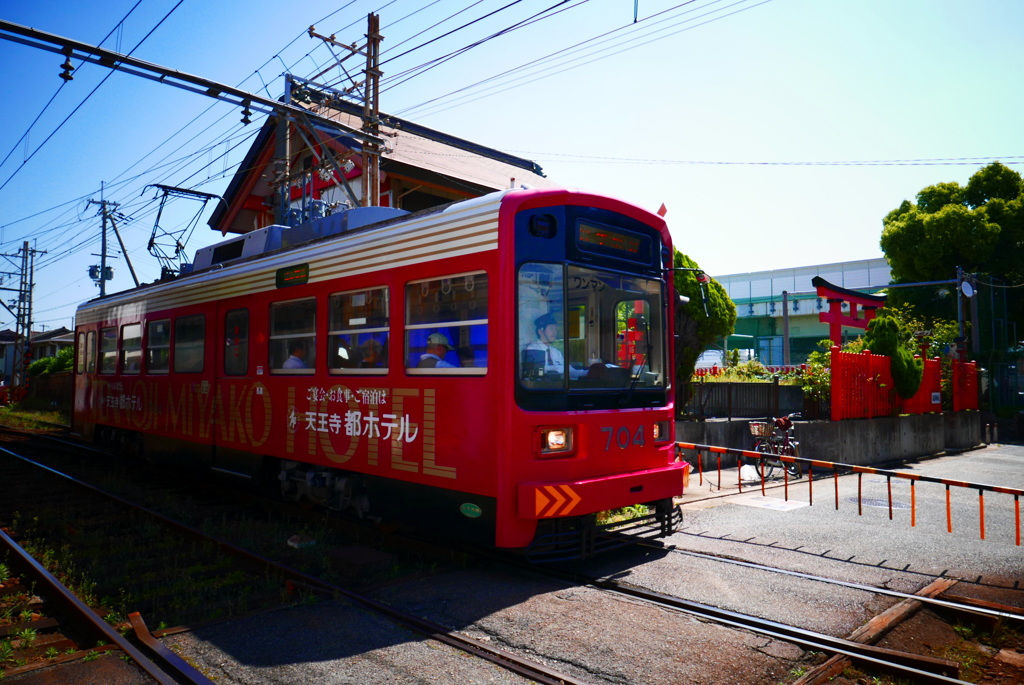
<point x="765" y="466"/>
<point x="792" y="468"/>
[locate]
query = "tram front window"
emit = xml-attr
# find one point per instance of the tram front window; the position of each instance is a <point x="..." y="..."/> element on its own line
<point x="583" y="329"/>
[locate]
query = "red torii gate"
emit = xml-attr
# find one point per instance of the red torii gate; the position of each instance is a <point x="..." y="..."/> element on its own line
<point x="835" y="318"/>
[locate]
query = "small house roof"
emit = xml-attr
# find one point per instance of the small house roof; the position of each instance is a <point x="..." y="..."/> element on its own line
<point x="411" y="151"/>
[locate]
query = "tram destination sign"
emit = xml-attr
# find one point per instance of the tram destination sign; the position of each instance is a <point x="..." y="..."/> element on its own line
<point x="292" y="275"/>
<point x="596" y="234"/>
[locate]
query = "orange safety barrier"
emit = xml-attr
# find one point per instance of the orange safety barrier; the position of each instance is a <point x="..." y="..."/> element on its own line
<point x="835" y="467"/>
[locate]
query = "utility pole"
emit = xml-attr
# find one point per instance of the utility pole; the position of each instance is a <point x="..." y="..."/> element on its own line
<point x="371" y="114"/>
<point x="23" y="316"/>
<point x="283" y="160"/>
<point x="103" y="273"/>
<point x="370" y="86"/>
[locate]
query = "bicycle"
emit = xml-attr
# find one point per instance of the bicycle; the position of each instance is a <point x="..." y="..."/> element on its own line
<point x="775" y="437"/>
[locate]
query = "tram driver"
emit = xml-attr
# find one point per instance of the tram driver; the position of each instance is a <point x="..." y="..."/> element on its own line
<point x="542" y="351"/>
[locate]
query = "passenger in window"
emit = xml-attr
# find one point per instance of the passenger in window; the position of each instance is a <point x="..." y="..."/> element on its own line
<point x="438" y="345"/>
<point x="346" y="357"/>
<point x="296" y="355"/>
<point x="373" y="354"/>
<point x="544" y="351"/>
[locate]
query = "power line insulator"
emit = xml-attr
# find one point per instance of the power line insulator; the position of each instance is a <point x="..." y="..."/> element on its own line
<point x="68" y="68"/>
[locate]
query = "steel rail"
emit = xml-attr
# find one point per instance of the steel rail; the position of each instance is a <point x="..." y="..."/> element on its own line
<point x="57" y="592"/>
<point x="181" y="669"/>
<point x="530" y="669"/>
<point x="911" y="665"/>
<point x="935" y="601"/>
<point x="903" y="662"/>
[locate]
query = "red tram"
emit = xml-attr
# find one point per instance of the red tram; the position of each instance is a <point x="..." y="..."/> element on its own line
<point x="499" y="369"/>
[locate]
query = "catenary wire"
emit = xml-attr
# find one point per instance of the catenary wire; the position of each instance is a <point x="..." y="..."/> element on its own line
<point x="61" y="87"/>
<point x="561" y="68"/>
<point x="86" y="99"/>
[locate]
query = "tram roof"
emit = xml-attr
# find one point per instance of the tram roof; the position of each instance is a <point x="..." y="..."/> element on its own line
<point x="412" y="151"/>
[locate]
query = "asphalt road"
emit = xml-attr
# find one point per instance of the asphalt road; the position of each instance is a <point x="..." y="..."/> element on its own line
<point x="866" y="534"/>
<point x="598" y="637"/>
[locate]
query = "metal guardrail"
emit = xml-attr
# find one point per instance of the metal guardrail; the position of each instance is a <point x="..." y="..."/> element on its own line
<point x="836" y="467"/>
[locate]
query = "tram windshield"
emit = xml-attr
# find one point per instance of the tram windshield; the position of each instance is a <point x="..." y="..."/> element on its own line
<point x="583" y="329"/>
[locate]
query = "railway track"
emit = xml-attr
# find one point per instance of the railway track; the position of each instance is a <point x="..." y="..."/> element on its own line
<point x="944" y="601"/>
<point x="978" y="580"/>
<point x="287" y="578"/>
<point x="59" y="628"/>
<point x="858" y="647"/>
<point x="910" y="666"/>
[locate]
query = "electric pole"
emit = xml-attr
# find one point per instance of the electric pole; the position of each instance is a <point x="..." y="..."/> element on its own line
<point x="23" y="316"/>
<point x="103" y="273"/>
<point x="370" y="86"/>
<point x="371" y="114"/>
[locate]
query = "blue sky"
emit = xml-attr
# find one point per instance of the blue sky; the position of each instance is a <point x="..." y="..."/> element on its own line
<point x="777" y="133"/>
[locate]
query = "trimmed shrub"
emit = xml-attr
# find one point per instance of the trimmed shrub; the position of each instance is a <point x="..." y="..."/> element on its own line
<point x="883" y="337"/>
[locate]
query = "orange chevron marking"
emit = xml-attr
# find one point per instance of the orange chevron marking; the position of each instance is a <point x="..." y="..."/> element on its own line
<point x="559" y="499"/>
<point x="555" y="500"/>
<point x="575" y="499"/>
<point x="542" y="501"/>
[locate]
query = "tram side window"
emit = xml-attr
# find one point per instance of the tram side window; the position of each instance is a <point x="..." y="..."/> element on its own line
<point x="542" y="334"/>
<point x="108" y="350"/>
<point x="446" y="325"/>
<point x="293" y="336"/>
<point x="358" y="332"/>
<point x="189" y="338"/>
<point x="158" y="346"/>
<point x="80" y="354"/>
<point x="131" y="348"/>
<point x="236" y="342"/>
<point x="90" y="352"/>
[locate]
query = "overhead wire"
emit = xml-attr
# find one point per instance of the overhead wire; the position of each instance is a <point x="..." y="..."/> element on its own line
<point x="923" y="161"/>
<point x="455" y="30"/>
<point x="256" y="72"/>
<point x="224" y="137"/>
<point x="317" y="65"/>
<point x="389" y="48"/>
<point x="567" y="50"/>
<point x="413" y="72"/>
<point x="616" y="49"/>
<point x="84" y="100"/>
<point x="60" y="87"/>
<point x="438" y="103"/>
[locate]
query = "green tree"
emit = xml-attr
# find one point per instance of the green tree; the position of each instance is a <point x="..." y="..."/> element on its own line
<point x="709" y="315"/>
<point x="61" y="362"/>
<point x="979" y="227"/>
<point x="64" y="360"/>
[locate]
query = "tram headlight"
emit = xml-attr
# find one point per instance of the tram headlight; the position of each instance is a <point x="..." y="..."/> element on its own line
<point x="555" y="440"/>
<point x="662" y="431"/>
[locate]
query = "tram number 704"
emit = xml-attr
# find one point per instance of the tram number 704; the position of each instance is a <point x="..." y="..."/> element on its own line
<point x="622" y="437"/>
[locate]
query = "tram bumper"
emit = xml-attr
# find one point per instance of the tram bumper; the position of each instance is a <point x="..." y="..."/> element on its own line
<point x="542" y="500"/>
<point x="567" y="529"/>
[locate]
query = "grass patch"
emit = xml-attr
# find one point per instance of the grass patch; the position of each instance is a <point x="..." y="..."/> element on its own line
<point x="16" y="416"/>
<point x="622" y="515"/>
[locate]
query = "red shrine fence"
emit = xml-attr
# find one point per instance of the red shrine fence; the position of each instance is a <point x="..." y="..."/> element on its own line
<point x="862" y="387"/>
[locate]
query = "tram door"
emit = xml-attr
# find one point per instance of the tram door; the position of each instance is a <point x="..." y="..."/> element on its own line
<point x="234" y="378"/>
